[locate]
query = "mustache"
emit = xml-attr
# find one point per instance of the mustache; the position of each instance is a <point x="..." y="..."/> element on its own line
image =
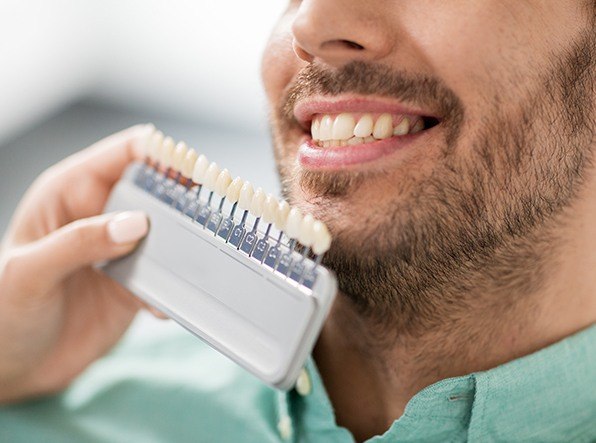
<point x="372" y="79"/>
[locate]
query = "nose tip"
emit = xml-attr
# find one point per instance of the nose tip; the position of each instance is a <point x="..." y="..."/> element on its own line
<point x="337" y="32"/>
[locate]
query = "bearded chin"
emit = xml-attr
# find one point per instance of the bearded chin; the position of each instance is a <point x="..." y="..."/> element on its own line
<point x="482" y="225"/>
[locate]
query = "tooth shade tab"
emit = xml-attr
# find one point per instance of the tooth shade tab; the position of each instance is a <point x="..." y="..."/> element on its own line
<point x="198" y="173"/>
<point x="188" y="164"/>
<point x="258" y="203"/>
<point x="307" y="234"/>
<point x="322" y="238"/>
<point x="246" y="194"/>
<point x="143" y="143"/>
<point x="211" y="176"/>
<point x="293" y="223"/>
<point x="224" y="179"/>
<point x="270" y="209"/>
<point x="179" y="155"/>
<point x="156" y="145"/>
<point x="283" y="209"/>
<point x="167" y="152"/>
<point x="233" y="192"/>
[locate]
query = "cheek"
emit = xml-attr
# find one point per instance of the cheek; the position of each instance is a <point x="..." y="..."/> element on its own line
<point x="279" y="64"/>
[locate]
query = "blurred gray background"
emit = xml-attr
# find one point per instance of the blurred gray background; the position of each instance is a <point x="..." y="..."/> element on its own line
<point x="74" y="71"/>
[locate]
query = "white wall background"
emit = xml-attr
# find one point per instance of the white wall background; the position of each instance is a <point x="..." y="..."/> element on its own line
<point x="197" y="59"/>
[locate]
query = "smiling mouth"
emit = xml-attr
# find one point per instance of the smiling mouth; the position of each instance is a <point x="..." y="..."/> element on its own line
<point x="353" y="129"/>
<point x="346" y="132"/>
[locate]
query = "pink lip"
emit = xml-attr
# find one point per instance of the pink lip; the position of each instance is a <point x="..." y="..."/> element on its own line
<point x="304" y="110"/>
<point x="312" y="156"/>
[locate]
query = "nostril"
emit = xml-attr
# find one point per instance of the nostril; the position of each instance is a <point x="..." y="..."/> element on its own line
<point x="341" y="44"/>
<point x="352" y="45"/>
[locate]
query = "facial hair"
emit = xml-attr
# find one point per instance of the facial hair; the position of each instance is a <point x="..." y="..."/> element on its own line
<point x="481" y="225"/>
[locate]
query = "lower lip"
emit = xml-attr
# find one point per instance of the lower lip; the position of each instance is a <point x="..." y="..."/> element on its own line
<point x="313" y="156"/>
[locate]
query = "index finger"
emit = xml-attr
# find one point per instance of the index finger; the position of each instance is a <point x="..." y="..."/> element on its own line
<point x="78" y="186"/>
<point x="106" y="160"/>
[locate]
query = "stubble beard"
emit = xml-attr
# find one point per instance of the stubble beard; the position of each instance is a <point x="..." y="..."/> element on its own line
<point x="448" y="244"/>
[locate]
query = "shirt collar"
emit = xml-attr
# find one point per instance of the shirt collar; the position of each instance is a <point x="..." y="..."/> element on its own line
<point x="549" y="394"/>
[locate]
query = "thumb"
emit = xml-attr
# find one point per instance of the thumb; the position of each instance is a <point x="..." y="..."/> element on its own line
<point x="80" y="243"/>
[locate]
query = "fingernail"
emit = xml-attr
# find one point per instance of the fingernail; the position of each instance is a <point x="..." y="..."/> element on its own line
<point x="128" y="227"/>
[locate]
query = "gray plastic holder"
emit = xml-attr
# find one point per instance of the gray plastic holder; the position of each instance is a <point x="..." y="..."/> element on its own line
<point x="261" y="319"/>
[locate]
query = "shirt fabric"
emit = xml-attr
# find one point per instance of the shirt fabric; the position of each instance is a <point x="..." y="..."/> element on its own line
<point x="169" y="387"/>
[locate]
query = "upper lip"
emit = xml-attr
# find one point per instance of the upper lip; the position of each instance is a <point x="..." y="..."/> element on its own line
<point x="305" y="109"/>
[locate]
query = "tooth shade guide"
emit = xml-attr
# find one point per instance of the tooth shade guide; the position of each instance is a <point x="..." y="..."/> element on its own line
<point x="282" y="227"/>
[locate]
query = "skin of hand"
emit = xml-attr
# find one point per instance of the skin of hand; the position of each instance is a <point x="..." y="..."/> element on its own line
<point x="57" y="312"/>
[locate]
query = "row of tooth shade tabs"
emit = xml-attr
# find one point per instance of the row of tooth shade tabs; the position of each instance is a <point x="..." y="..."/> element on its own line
<point x="189" y="167"/>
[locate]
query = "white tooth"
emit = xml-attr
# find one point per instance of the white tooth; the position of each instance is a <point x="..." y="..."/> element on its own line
<point x="403" y="127"/>
<point x="156" y="146"/>
<point x="211" y="176"/>
<point x="364" y="127"/>
<point x="417" y="127"/>
<point x="355" y="141"/>
<point x="198" y="173"/>
<point x="257" y="203"/>
<point x="233" y="192"/>
<point x="178" y="157"/>
<point x="223" y="182"/>
<point x="383" y="127"/>
<point x="369" y="139"/>
<point x="293" y="224"/>
<point x="282" y="215"/>
<point x="325" y="128"/>
<point x="307" y="234"/>
<point x="322" y="238"/>
<point x="314" y="129"/>
<point x="343" y="127"/>
<point x="270" y="210"/>
<point x="188" y="164"/>
<point x="167" y="152"/>
<point x="246" y="194"/>
<point x="142" y="144"/>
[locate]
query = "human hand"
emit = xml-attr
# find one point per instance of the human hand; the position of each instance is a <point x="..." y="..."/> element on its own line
<point x="57" y="313"/>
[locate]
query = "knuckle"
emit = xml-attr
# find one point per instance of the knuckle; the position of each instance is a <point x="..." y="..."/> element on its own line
<point x="80" y="234"/>
<point x="13" y="267"/>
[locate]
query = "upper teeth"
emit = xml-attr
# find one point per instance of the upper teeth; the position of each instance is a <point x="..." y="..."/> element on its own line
<point x="344" y="129"/>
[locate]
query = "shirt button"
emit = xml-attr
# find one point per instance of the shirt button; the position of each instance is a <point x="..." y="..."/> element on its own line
<point x="303" y="384"/>
<point x="284" y="426"/>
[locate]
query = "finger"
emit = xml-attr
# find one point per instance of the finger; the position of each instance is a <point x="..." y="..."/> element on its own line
<point x="157" y="313"/>
<point x="77" y="187"/>
<point x="106" y="159"/>
<point x="45" y="262"/>
<point x="83" y="181"/>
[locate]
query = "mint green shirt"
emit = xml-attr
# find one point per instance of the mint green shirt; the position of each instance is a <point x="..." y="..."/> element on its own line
<point x="169" y="387"/>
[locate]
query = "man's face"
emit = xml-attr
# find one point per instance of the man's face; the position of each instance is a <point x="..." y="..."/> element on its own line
<point x="498" y="97"/>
